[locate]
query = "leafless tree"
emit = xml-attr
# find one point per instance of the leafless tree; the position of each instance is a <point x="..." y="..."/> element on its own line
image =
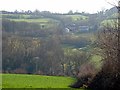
<point x="109" y="41"/>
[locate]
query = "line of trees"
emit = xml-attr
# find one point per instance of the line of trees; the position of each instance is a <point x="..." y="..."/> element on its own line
<point x="41" y="54"/>
<point x="35" y="56"/>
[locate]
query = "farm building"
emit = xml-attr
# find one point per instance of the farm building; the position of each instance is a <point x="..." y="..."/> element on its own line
<point x="83" y="28"/>
<point x="76" y="28"/>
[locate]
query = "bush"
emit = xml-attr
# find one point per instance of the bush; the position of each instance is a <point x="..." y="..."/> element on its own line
<point x="20" y="71"/>
<point x="105" y="81"/>
<point x="85" y="76"/>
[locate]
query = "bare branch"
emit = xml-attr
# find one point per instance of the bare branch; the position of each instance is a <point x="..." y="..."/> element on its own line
<point x="113" y="4"/>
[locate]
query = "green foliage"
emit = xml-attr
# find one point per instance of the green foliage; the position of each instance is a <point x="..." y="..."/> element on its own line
<point x="109" y="22"/>
<point x="97" y="61"/>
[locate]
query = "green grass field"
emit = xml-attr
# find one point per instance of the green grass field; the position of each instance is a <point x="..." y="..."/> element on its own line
<point x="15" y="16"/>
<point x="40" y="20"/>
<point x="77" y="17"/>
<point x="35" y="81"/>
<point x="47" y="22"/>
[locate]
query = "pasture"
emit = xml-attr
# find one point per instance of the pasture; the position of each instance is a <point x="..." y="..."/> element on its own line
<point x="77" y="17"/>
<point x="35" y="81"/>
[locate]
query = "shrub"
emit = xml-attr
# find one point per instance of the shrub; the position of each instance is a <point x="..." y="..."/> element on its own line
<point x="20" y="71"/>
<point x="85" y="76"/>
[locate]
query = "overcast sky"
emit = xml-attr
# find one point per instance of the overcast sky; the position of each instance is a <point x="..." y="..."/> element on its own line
<point x="61" y="6"/>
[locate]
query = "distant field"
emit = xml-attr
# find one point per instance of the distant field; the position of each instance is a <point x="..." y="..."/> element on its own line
<point x="27" y="18"/>
<point x="90" y="36"/>
<point x="47" y="22"/>
<point x="41" y="20"/>
<point x="35" y="81"/>
<point x="77" y="17"/>
<point x="22" y="17"/>
<point x="15" y="16"/>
